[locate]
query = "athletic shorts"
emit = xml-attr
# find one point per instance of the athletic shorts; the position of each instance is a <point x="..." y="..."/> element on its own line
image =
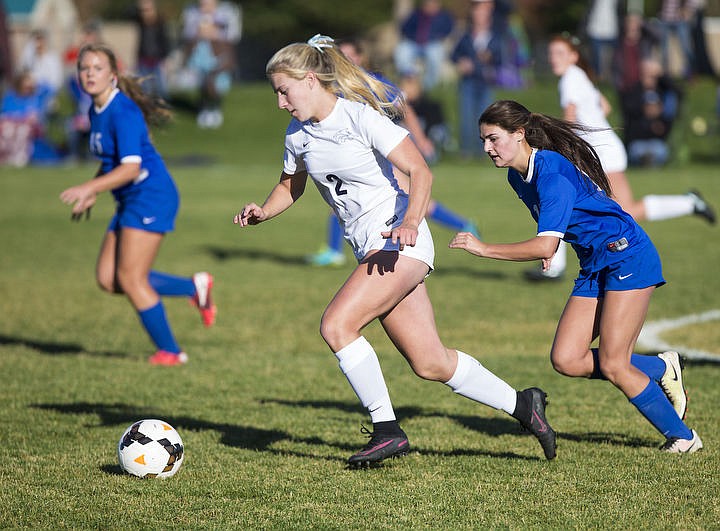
<point x="610" y="150"/>
<point x="364" y="235"/>
<point x="151" y="211"/>
<point x="639" y="270"/>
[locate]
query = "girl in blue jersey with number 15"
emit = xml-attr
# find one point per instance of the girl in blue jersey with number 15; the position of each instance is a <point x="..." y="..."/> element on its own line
<point x="146" y="197"/>
<point x="560" y="179"/>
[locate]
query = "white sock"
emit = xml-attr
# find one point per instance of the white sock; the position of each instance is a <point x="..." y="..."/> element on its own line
<point x="667" y="206"/>
<point x="361" y="367"/>
<point x="559" y="260"/>
<point x="475" y="382"/>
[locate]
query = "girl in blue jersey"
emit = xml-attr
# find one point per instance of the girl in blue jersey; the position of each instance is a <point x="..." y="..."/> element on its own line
<point x="348" y="147"/>
<point x="146" y="197"/>
<point x="560" y="179"/>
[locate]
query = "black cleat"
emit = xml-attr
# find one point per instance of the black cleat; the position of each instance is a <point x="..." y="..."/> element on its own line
<point x="702" y="208"/>
<point x="538" y="424"/>
<point x="381" y="446"/>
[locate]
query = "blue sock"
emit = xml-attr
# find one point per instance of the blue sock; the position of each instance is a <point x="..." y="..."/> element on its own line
<point x="335" y="234"/>
<point x="445" y="216"/>
<point x="652" y="366"/>
<point x="156" y="324"/>
<point x="654" y="406"/>
<point x="171" y="285"/>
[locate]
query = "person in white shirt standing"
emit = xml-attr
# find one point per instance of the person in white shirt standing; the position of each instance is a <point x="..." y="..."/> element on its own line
<point x="43" y="63"/>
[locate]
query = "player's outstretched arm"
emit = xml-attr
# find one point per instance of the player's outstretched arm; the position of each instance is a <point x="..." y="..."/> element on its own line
<point x="282" y="197"/>
<point x="539" y="247"/>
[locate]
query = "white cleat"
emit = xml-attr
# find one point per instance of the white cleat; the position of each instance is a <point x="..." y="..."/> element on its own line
<point x="683" y="446"/>
<point x="672" y="382"/>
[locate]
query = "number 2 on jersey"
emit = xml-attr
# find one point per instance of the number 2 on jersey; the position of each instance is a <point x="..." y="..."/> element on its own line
<point x="338" y="184"/>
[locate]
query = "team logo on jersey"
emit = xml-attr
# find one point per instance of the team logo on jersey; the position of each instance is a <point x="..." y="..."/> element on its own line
<point x="343" y="136"/>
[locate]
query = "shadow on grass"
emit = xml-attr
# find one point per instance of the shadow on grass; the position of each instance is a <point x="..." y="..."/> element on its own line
<point x="259" y="439"/>
<point x="613" y="439"/>
<point x="224" y="253"/>
<point x="490" y="426"/>
<point x="56" y="349"/>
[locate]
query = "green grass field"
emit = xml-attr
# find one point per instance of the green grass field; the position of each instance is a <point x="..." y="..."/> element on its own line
<point x="265" y="414"/>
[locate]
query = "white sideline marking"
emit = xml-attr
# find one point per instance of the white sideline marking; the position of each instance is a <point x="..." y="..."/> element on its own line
<point x="650" y="335"/>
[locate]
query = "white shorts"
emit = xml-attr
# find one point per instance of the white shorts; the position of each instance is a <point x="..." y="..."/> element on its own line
<point x="610" y="150"/>
<point x="364" y="235"/>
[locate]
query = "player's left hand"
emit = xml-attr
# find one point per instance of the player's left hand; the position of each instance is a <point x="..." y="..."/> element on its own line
<point x="404" y="235"/>
<point x="82" y="198"/>
<point x="465" y="240"/>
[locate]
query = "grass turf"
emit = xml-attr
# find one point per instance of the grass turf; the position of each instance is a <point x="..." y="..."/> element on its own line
<point x="267" y="418"/>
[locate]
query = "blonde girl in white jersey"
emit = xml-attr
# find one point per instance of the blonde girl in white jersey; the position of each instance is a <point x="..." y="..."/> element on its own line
<point x="584" y="104"/>
<point x="341" y="137"/>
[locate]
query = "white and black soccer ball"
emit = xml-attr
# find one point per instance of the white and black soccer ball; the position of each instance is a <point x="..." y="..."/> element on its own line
<point x="151" y="448"/>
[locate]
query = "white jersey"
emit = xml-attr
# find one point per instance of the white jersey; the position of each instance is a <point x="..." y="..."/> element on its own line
<point x="345" y="156"/>
<point x="576" y="88"/>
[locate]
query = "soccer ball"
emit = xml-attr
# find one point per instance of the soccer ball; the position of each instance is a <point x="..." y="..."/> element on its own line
<point x="151" y="448"/>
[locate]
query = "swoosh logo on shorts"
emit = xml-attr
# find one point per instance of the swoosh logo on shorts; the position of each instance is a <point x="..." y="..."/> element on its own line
<point x="147" y="221"/>
<point x="623" y="277"/>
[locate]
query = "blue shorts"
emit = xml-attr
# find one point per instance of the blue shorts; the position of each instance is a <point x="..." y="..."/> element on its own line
<point x="639" y="270"/>
<point x="150" y="211"/>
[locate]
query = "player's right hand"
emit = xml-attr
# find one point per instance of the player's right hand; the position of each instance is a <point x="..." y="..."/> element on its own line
<point x="251" y="214"/>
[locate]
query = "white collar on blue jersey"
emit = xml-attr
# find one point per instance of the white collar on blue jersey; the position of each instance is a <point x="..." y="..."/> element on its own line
<point x="110" y="98"/>
<point x="531" y="166"/>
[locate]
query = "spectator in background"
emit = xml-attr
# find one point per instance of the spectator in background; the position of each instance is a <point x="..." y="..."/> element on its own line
<point x="43" y="63"/>
<point x="210" y="31"/>
<point x="430" y="115"/>
<point x="515" y="50"/>
<point x="476" y="56"/>
<point x="649" y="110"/>
<point x="702" y="64"/>
<point x="423" y="36"/>
<point x="23" y="118"/>
<point x="675" y="17"/>
<point x="6" y="56"/>
<point x="637" y="42"/>
<point x="153" y="48"/>
<point x="603" y="30"/>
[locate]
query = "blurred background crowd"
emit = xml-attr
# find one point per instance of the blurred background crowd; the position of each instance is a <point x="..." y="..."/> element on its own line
<point x="191" y="53"/>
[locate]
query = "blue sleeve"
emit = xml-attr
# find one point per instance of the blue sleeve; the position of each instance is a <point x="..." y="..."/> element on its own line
<point x="557" y="200"/>
<point x="129" y="130"/>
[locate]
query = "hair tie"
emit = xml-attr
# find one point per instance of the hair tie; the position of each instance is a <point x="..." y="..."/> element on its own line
<point x="321" y="41"/>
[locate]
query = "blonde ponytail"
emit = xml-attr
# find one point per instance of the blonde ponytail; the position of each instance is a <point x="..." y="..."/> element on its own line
<point x="336" y="74"/>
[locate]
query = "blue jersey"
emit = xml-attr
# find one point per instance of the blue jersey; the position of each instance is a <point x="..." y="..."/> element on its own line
<point x="567" y="205"/>
<point x="118" y="133"/>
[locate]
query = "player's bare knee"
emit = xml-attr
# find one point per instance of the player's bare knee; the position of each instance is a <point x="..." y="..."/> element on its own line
<point x="107" y="284"/>
<point x="432" y="370"/>
<point x="613" y="370"/>
<point x="566" y="365"/>
<point x="336" y="333"/>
